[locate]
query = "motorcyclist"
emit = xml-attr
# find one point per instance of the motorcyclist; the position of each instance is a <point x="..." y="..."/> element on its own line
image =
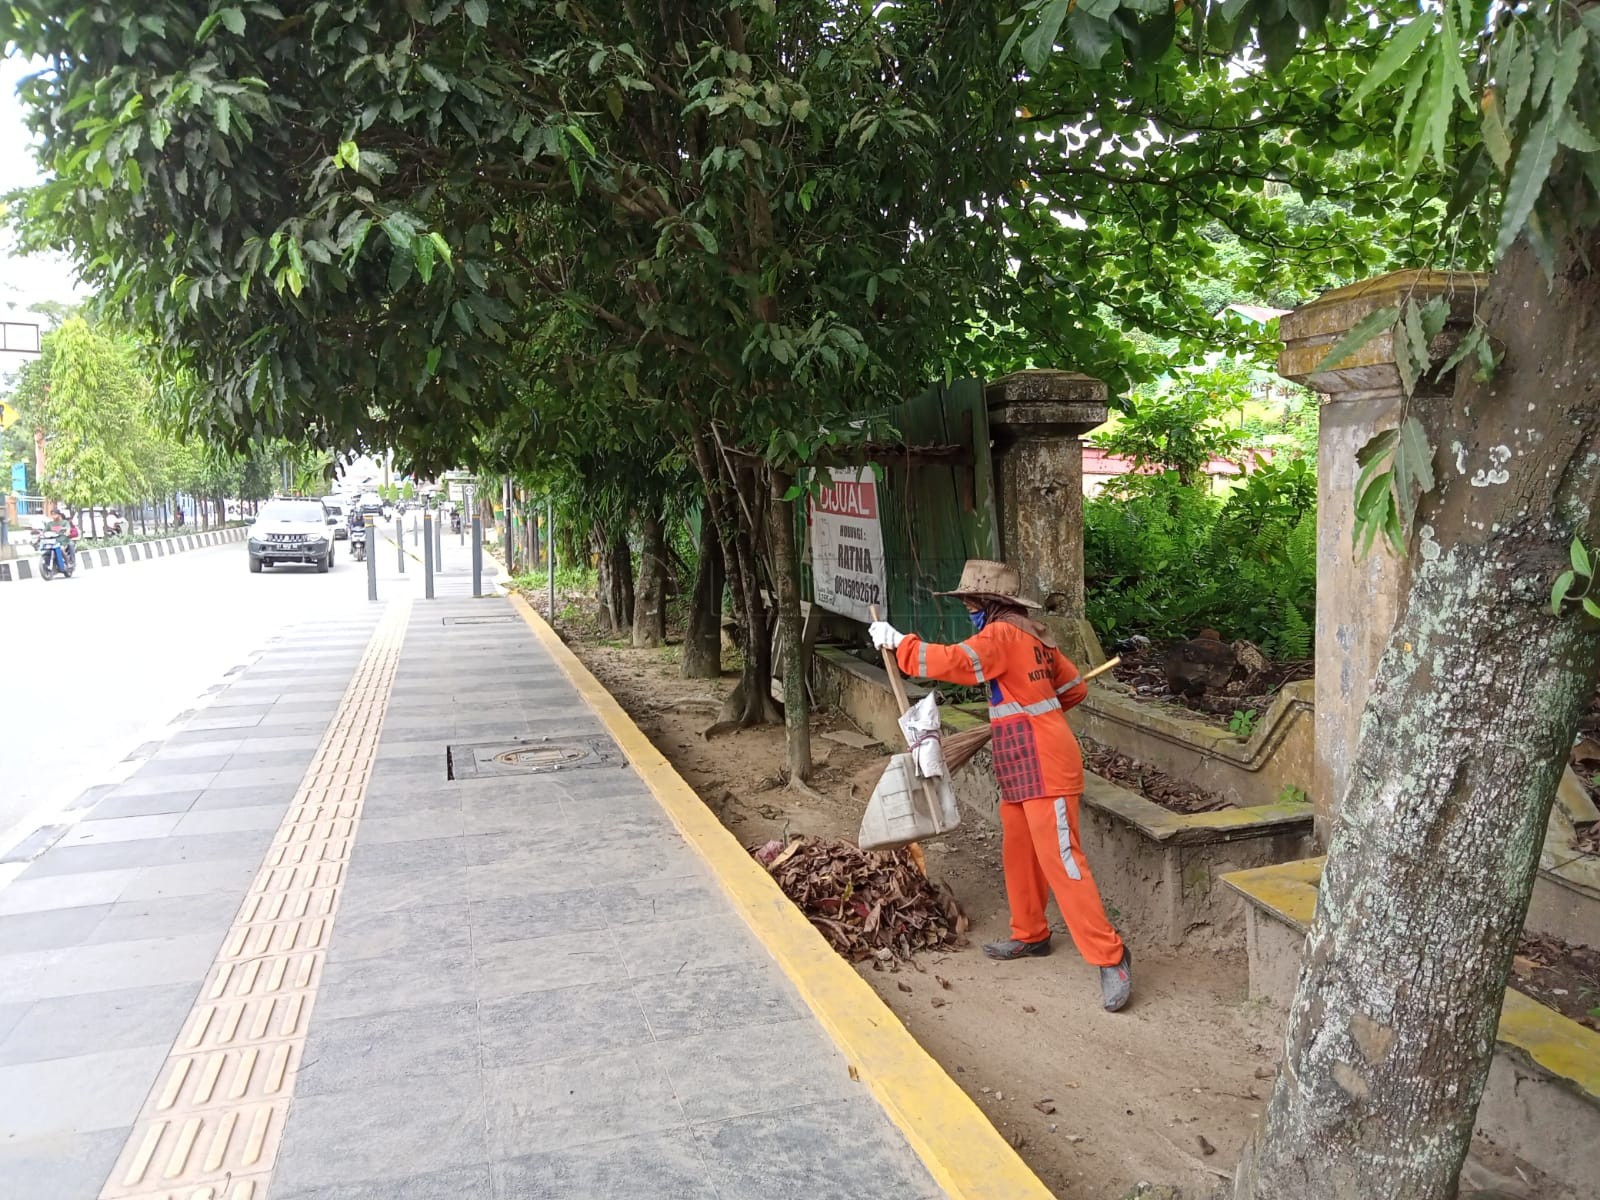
<point x="65" y="530"/>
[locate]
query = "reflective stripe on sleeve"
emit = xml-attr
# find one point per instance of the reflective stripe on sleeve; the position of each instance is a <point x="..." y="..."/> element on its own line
<point x="977" y="666"/>
<point x="1067" y="687"/>
<point x="1064" y="840"/>
<point x="1013" y="709"/>
<point x="922" y="661"/>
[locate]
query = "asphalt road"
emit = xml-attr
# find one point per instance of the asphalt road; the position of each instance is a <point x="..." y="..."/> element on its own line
<point x="94" y="666"/>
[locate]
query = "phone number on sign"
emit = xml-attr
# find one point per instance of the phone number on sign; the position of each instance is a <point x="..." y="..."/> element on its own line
<point x="862" y="591"/>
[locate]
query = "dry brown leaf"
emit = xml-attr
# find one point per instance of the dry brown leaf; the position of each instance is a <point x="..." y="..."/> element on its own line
<point x="940" y="1002"/>
<point x="1205" y="1147"/>
<point x="942" y="982"/>
<point x="904" y="986"/>
<point x="855" y="1074"/>
<point x="1045" y="1106"/>
<point x="1263" y="1072"/>
<point x="1028" y="1008"/>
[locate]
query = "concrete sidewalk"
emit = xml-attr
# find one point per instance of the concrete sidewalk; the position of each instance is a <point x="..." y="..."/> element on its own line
<point x="292" y="955"/>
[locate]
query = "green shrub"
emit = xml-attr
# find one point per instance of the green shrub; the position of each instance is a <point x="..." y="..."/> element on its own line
<point x="1166" y="560"/>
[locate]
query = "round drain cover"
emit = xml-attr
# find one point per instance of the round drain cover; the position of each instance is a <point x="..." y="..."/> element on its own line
<point x="544" y="757"/>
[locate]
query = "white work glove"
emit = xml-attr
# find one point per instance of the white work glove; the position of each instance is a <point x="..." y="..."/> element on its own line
<point x="884" y="635"/>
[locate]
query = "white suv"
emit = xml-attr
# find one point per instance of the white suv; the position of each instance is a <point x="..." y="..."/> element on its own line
<point x="291" y="531"/>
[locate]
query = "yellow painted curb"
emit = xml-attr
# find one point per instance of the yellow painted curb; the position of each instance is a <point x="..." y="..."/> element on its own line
<point x="963" y="1152"/>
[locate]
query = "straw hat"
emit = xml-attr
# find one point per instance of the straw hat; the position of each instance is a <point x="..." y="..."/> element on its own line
<point x="984" y="579"/>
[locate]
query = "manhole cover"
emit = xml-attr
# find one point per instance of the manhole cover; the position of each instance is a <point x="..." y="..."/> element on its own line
<point x="527" y="757"/>
<point x="500" y="620"/>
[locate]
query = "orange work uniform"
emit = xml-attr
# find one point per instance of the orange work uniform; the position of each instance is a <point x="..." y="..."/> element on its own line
<point x="1039" y="768"/>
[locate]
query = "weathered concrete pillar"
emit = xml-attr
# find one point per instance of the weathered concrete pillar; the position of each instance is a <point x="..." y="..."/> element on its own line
<point x="1037" y="420"/>
<point x="1357" y="598"/>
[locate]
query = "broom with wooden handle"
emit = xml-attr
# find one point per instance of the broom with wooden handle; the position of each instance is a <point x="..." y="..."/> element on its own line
<point x="960" y="747"/>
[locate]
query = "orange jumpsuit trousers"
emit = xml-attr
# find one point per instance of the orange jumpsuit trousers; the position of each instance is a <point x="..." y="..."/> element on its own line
<point x="1040" y="859"/>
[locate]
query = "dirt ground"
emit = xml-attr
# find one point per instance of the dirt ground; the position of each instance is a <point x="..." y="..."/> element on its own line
<point x="1164" y="1092"/>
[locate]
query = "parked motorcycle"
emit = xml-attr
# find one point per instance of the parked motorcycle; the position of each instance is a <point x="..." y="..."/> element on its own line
<point x="54" y="557"/>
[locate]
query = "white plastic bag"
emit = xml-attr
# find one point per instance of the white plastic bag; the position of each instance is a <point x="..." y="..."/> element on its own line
<point x="920" y="725"/>
<point x="905" y="809"/>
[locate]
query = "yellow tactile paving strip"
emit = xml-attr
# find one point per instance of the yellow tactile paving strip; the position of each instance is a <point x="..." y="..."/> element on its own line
<point x="212" y="1125"/>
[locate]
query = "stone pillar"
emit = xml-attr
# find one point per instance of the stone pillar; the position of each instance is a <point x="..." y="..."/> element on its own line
<point x="1357" y="598"/>
<point x="1037" y="420"/>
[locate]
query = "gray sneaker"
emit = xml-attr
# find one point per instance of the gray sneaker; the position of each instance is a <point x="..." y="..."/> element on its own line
<point x="1016" y="949"/>
<point x="1116" y="983"/>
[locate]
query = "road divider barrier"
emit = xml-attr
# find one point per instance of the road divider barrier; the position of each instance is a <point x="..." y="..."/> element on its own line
<point x="93" y="558"/>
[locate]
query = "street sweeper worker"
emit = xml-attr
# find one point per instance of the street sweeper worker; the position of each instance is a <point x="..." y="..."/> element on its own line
<point x="1037" y="764"/>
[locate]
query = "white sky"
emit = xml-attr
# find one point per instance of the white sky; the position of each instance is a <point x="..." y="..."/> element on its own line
<point x="24" y="280"/>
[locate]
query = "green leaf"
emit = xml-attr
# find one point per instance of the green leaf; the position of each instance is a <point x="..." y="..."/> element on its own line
<point x="1495" y="138"/>
<point x="1404" y="353"/>
<point x="1394" y="56"/>
<point x="443" y="247"/>
<point x="1518" y="74"/>
<point x="1575" y="136"/>
<point x="1037" y="46"/>
<point x="1528" y="174"/>
<point x="1369" y="327"/>
<point x="1435" y="313"/>
<point x="422" y="252"/>
<point x="1466" y="346"/>
<point x="1377" y="446"/>
<point x="1413" y="469"/>
<point x="576" y="133"/>
<point x="477" y="12"/>
<point x="707" y="239"/>
<point x="1580" y="558"/>
<point x="1091" y="38"/>
<point x="233" y="19"/>
<point x="1558" y="593"/>
<point x="1590" y="607"/>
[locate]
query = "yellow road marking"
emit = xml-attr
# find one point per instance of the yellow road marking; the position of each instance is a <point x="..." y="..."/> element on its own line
<point x="213" y="1123"/>
<point x="963" y="1152"/>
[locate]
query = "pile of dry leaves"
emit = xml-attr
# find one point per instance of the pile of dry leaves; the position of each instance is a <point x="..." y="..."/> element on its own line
<point x="1558" y="973"/>
<point x="864" y="901"/>
<point x="1172" y="793"/>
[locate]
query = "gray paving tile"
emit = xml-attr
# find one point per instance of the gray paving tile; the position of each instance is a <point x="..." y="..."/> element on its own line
<point x="545" y="1026"/>
<point x="250" y="797"/>
<point x="210" y="847"/>
<point x="222" y="724"/>
<point x="399" y="932"/>
<point x="52" y="929"/>
<point x="64" y="891"/>
<point x="392" y="1131"/>
<point x="367" y="895"/>
<point x="77" y="1095"/>
<point x="242" y="777"/>
<point x="513" y="814"/>
<point x="80" y="969"/>
<point x="577" y="1101"/>
<point x="694" y="1002"/>
<point x="69" y="1166"/>
<point x="368" y="986"/>
<point x="675" y="898"/>
<point x="814" y="1150"/>
<point x="667" y="947"/>
<point x="522" y="877"/>
<point x="423" y="856"/>
<point x="457" y="1183"/>
<point x="194" y="781"/>
<point x="183" y="763"/>
<point x="536" y="847"/>
<point x="657" y="1166"/>
<point x="97" y="832"/>
<point x="423" y="823"/>
<point x="10" y="1014"/>
<point x="543" y="914"/>
<point x="174" y="750"/>
<point x="166" y="916"/>
<point x="540" y="964"/>
<point x="583" y="812"/>
<point x="712" y="1077"/>
<point x="114" y="806"/>
<point x="96" y="1022"/>
<point x="357" y="1052"/>
<point x="79" y="860"/>
<point x="232" y="820"/>
<point x="232" y="875"/>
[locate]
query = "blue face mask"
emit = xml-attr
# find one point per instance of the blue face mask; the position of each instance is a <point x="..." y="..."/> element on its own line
<point x="979" y="618"/>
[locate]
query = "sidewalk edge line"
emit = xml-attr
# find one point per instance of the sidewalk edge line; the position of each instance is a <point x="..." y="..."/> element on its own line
<point x="956" y="1142"/>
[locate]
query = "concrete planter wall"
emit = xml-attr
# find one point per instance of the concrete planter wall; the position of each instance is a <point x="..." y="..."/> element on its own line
<point x="1542" y="1099"/>
<point x="1280" y="754"/>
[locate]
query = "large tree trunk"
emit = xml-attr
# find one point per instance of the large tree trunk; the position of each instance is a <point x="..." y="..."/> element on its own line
<point x="786" y="568"/>
<point x="1463" y="741"/>
<point x="650" y="598"/>
<point x="615" y="580"/>
<point x="702" y="643"/>
<point x="734" y="498"/>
